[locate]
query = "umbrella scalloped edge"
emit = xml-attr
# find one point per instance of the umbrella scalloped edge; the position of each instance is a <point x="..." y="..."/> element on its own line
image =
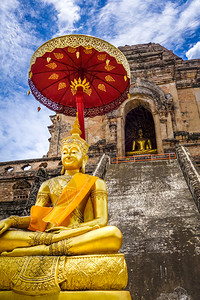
<point x="71" y="111"/>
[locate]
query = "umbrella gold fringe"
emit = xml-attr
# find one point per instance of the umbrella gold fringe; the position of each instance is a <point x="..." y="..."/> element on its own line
<point x="76" y="40"/>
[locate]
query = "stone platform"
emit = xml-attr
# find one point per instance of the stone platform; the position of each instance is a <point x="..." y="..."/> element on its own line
<point x="48" y="275"/>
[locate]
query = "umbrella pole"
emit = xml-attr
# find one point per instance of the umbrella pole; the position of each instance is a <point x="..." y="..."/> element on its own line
<point x="80" y="110"/>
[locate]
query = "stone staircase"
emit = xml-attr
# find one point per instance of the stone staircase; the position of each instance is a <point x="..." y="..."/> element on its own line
<point x="151" y="204"/>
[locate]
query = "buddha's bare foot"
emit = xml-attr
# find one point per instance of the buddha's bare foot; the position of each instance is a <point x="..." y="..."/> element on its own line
<point x="28" y="251"/>
<point x="8" y="253"/>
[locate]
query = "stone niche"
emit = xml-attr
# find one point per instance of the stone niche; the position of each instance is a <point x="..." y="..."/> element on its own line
<point x="21" y="189"/>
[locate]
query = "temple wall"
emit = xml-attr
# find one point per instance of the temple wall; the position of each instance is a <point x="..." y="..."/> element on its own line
<point x="197" y="96"/>
<point x="194" y="150"/>
<point x="95" y="129"/>
<point x="16" y="179"/>
<point x="6" y="192"/>
<point x="189" y="110"/>
<point x="178" y="121"/>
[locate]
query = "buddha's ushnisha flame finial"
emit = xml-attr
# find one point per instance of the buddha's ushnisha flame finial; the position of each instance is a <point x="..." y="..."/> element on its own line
<point x="75" y="138"/>
<point x="76" y="127"/>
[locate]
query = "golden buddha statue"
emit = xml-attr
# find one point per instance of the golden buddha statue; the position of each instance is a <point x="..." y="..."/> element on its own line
<point x="70" y="215"/>
<point x="141" y="145"/>
<point x="64" y="249"/>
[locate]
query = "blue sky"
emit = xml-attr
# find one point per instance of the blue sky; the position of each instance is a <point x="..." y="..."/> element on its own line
<point x="26" y="24"/>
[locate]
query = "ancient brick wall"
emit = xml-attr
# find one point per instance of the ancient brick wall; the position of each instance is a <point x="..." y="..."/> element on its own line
<point x="99" y="135"/>
<point x="16" y="179"/>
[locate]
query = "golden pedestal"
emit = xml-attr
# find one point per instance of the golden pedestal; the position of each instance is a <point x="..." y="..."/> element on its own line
<point x="64" y="277"/>
<point x="78" y="295"/>
<point x="131" y="153"/>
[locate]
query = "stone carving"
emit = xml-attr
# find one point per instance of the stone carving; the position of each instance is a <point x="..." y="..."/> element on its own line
<point x="41" y="176"/>
<point x="46" y="275"/>
<point x="163" y="102"/>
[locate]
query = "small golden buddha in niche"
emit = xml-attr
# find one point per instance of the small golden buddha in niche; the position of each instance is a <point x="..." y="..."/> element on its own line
<point x="141" y="144"/>
<point x="70" y="215"/>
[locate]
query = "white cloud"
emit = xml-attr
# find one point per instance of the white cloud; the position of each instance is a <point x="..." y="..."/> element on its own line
<point x="143" y="21"/>
<point x="23" y="130"/>
<point x="189" y="16"/>
<point x="194" y="52"/>
<point x="16" y="41"/>
<point x="67" y="14"/>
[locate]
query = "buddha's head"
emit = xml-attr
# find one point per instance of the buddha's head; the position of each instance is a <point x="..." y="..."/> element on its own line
<point x="140" y="133"/>
<point x="74" y="150"/>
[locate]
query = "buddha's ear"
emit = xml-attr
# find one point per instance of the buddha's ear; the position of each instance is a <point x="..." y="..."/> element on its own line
<point x="62" y="171"/>
<point x="85" y="159"/>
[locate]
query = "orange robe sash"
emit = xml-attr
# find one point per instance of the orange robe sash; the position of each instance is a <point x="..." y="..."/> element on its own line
<point x="72" y="195"/>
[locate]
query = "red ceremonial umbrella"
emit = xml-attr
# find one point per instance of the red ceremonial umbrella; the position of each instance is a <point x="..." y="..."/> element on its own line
<point x="79" y="73"/>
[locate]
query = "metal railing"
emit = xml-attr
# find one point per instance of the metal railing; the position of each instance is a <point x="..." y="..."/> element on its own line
<point x="145" y="157"/>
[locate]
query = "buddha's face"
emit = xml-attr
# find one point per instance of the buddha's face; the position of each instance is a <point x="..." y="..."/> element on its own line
<point x="72" y="157"/>
<point x="140" y="133"/>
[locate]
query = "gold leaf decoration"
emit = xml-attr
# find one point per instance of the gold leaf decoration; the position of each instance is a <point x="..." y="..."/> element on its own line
<point x="58" y="55"/>
<point x="107" y="62"/>
<point x="109" y="67"/>
<point x="48" y="59"/>
<point x="30" y="74"/>
<point x="28" y="93"/>
<point x="53" y="76"/>
<point x="102" y="87"/>
<point x="61" y="85"/>
<point x="73" y="91"/>
<point x="101" y="56"/>
<point x="88" y="91"/>
<point x="88" y="47"/>
<point x="88" y="51"/>
<point x="77" y="54"/>
<point x="109" y="78"/>
<point x="71" y="49"/>
<point x="125" y="78"/>
<point x="118" y="61"/>
<point x="52" y="65"/>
